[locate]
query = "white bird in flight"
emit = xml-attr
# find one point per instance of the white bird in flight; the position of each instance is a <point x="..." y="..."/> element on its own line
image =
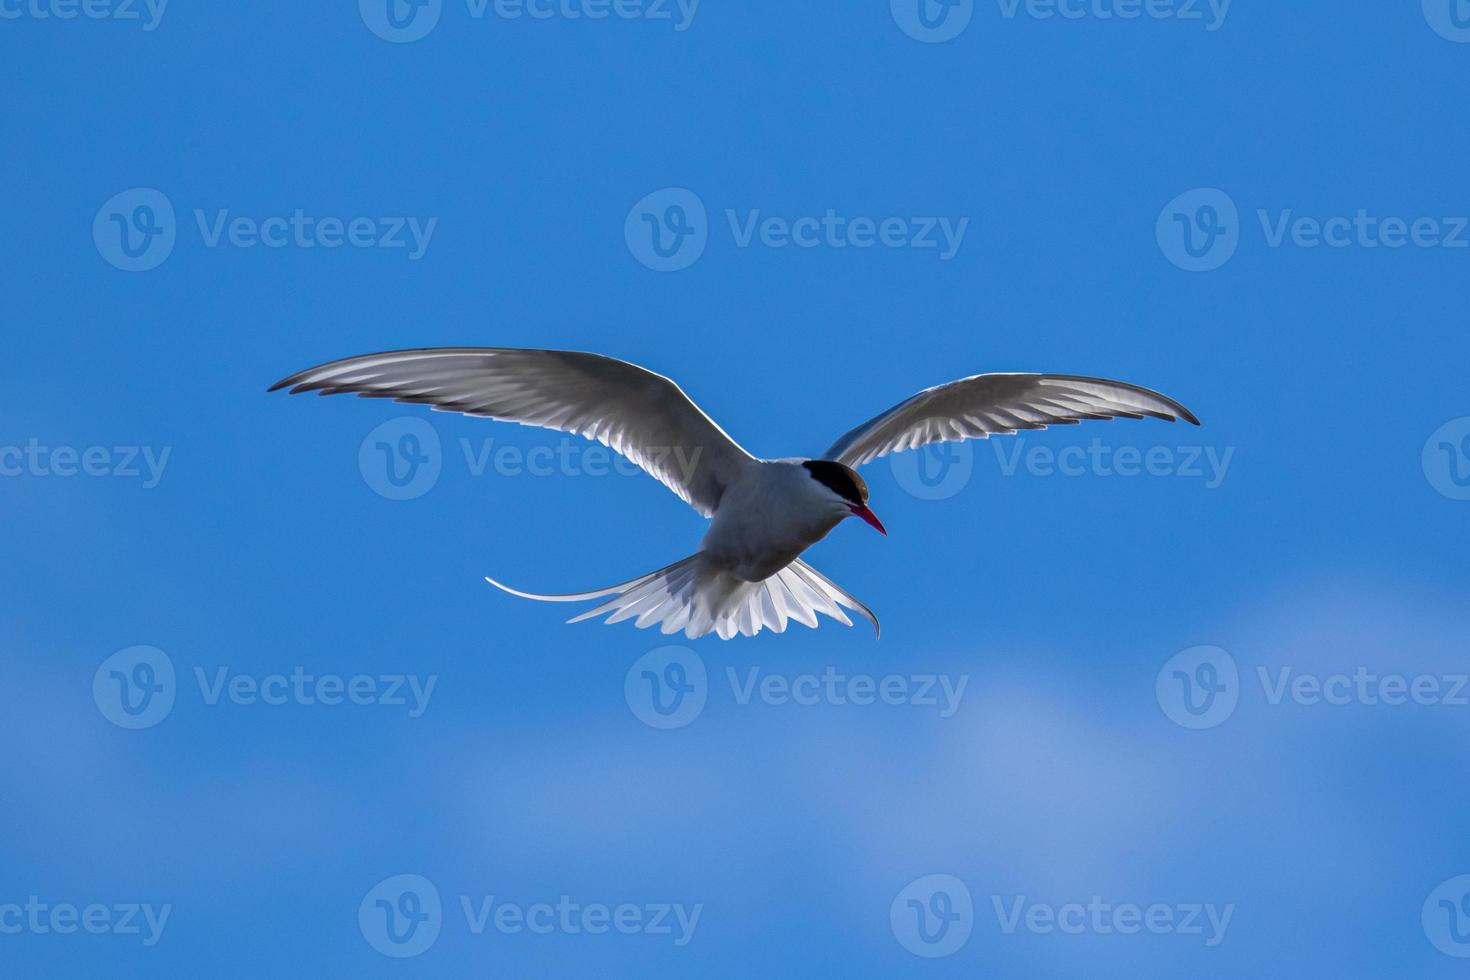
<point x="748" y="573"/>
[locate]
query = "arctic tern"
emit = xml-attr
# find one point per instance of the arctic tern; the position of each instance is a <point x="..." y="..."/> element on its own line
<point x="748" y="573"/>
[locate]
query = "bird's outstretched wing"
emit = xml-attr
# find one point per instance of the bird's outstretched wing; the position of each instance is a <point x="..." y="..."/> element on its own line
<point x="992" y="404"/>
<point x="642" y="415"/>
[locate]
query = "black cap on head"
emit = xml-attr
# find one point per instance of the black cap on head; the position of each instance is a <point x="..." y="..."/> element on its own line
<point x="840" y="479"/>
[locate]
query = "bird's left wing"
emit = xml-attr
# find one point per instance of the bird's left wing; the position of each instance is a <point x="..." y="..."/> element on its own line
<point x="642" y="415"/>
<point x="992" y="404"/>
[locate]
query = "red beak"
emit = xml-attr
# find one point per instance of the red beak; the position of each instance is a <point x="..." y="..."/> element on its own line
<point x="870" y="517"/>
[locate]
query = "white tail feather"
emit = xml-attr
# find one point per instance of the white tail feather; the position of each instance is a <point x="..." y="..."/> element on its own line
<point x="691" y="596"/>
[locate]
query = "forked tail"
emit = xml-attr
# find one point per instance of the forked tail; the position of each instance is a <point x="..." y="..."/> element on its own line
<point x="690" y="595"/>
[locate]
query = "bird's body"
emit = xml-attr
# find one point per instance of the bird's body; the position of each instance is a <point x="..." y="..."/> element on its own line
<point x="767" y="518"/>
<point x="764" y="513"/>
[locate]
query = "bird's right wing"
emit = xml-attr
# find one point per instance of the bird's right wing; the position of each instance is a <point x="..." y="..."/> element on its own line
<point x="993" y="404"/>
<point x="642" y="415"/>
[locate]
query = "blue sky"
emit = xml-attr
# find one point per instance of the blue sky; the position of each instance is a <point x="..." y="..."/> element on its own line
<point x="1159" y="700"/>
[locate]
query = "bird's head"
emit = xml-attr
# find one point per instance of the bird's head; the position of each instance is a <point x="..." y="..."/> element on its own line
<point x="846" y="489"/>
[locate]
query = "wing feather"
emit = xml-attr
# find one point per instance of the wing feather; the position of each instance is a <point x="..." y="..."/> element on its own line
<point x="633" y="411"/>
<point x="994" y="404"/>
